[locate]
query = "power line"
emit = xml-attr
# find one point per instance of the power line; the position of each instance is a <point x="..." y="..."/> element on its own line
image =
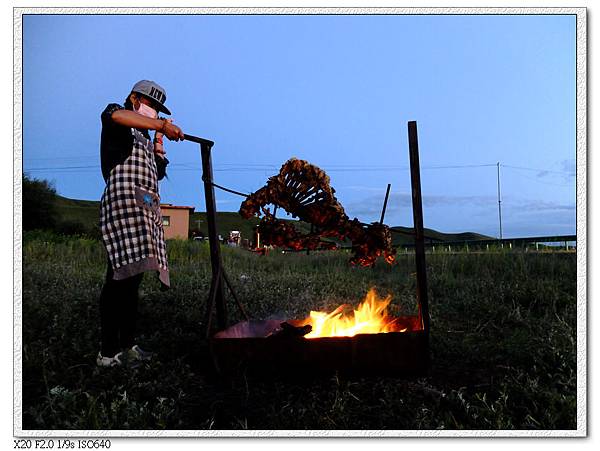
<point x="239" y="166"/>
<point x="244" y="168"/>
<point x="78" y="157"/>
<point x="260" y="168"/>
<point x="460" y="166"/>
<point x="254" y="167"/>
<point x="63" y="167"/>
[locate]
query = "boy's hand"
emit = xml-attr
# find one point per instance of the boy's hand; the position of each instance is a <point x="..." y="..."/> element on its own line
<point x="171" y="130"/>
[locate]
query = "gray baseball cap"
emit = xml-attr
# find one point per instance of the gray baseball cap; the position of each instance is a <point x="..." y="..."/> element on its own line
<point x="154" y="91"/>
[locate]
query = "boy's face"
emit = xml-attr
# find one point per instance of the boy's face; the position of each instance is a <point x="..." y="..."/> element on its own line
<point x="139" y="98"/>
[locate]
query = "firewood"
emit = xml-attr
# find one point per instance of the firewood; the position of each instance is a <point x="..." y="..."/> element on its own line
<point x="287" y="330"/>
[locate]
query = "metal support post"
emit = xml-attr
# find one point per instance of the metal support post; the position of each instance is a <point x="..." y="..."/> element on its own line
<point x="415" y="178"/>
<point x="216" y="295"/>
<point x="215" y="247"/>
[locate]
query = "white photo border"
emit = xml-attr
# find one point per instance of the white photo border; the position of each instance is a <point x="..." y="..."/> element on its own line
<point x="581" y="143"/>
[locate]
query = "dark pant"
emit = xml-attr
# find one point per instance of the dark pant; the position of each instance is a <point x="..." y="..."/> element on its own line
<point x="118" y="312"/>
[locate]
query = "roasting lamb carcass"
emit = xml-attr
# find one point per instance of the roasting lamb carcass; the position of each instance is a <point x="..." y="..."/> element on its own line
<point x="304" y="191"/>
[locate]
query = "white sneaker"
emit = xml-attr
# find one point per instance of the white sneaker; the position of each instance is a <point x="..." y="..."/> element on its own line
<point x="109" y="361"/>
<point x="139" y="354"/>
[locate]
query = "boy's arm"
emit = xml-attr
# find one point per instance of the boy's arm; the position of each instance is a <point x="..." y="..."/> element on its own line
<point x="129" y="118"/>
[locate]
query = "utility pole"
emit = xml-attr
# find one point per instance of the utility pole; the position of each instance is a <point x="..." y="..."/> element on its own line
<point x="499" y="201"/>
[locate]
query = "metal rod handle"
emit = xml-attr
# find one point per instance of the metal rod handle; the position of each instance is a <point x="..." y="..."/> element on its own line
<point x="198" y="140"/>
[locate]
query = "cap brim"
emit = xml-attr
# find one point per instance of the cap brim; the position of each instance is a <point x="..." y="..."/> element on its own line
<point x="157" y="105"/>
<point x="164" y="109"/>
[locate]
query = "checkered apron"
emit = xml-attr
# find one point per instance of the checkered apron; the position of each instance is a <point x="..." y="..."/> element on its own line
<point x="130" y="218"/>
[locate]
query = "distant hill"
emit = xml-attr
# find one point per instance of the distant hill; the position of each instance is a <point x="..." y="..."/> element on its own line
<point x="435" y="236"/>
<point x="87" y="212"/>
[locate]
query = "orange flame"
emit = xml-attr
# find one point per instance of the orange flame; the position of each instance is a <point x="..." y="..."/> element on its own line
<point x="370" y="317"/>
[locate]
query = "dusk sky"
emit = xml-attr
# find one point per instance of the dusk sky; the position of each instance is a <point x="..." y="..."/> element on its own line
<point x="337" y="91"/>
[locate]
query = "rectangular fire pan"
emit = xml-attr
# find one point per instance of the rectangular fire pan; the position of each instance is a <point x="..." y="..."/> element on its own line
<point x="246" y="347"/>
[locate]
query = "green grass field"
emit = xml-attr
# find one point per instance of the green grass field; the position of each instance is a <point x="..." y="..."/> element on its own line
<point x="503" y="343"/>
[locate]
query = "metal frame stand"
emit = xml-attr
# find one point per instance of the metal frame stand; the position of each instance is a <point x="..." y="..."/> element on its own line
<point x="219" y="276"/>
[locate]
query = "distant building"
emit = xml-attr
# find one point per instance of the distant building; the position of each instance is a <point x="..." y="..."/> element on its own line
<point x="176" y="221"/>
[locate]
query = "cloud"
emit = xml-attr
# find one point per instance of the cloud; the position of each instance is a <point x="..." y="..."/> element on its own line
<point x="359" y="188"/>
<point x="526" y="207"/>
<point x="401" y="201"/>
<point x="569" y="166"/>
<point x="543" y="222"/>
<point x="472" y="210"/>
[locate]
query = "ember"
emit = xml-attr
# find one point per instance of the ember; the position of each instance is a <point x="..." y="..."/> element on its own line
<point x="370" y="317"/>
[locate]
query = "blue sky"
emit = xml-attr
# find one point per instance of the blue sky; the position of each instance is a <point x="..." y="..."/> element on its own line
<point x="334" y="90"/>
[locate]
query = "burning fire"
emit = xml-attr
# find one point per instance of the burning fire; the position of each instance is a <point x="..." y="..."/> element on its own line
<point x="370" y="317"/>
